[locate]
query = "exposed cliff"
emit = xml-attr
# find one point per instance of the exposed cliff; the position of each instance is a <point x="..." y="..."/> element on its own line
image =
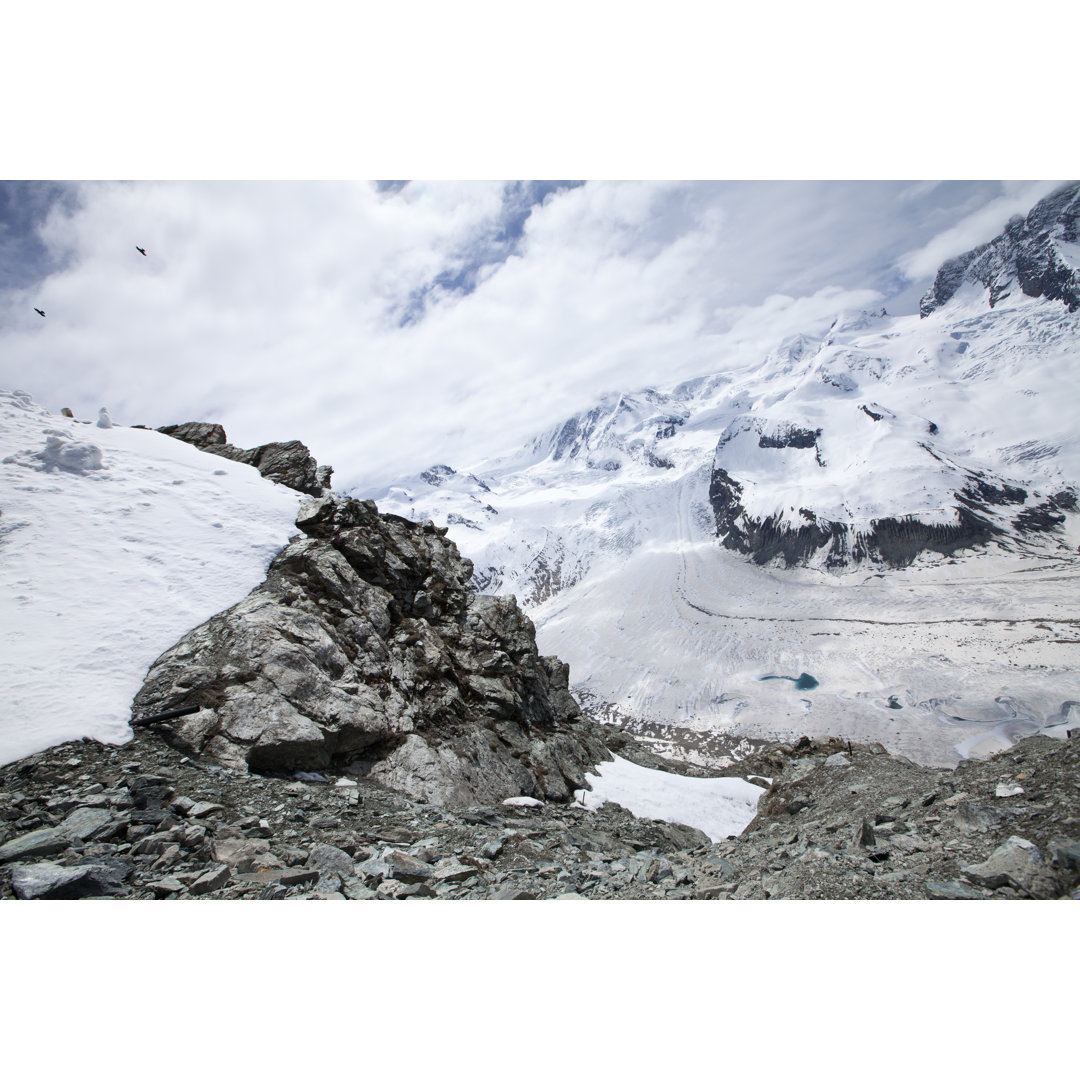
<point x="1036" y="254"/>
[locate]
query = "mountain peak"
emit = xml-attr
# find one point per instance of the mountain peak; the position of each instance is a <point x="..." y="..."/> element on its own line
<point x="1039" y="254"/>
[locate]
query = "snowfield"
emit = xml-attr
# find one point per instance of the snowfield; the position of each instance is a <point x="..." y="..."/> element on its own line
<point x="113" y="543"/>
<point x="719" y="807"/>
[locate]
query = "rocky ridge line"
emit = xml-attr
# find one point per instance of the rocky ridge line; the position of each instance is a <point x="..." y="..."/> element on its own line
<point x="289" y="463"/>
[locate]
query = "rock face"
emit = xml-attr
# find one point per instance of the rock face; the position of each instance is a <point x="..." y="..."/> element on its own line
<point x="983" y="508"/>
<point x="364" y="648"/>
<point x="289" y="463"/>
<point x="197" y="433"/>
<point x="1027" y="255"/>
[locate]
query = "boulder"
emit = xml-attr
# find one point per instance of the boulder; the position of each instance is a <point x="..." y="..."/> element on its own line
<point x="50" y="881"/>
<point x="1016" y="864"/>
<point x="36" y="843"/>
<point x="198" y="434"/>
<point x="330" y="859"/>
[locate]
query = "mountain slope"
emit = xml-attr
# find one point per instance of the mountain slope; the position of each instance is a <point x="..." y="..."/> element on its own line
<point x="889" y="508"/>
<point x="1038" y="254"/>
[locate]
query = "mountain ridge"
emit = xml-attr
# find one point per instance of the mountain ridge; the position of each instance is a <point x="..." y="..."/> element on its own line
<point x="1038" y="253"/>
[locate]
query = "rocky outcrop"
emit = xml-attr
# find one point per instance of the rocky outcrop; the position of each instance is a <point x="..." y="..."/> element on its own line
<point x="289" y="463"/>
<point x="986" y="509"/>
<point x="1026" y="255"/>
<point x="197" y="433"/>
<point x="365" y="649"/>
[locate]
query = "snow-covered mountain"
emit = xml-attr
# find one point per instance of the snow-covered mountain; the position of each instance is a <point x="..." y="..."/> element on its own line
<point x="886" y="513"/>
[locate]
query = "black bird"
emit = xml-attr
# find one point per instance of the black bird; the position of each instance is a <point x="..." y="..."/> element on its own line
<point x="40" y="312"/>
<point x="139" y="250"/>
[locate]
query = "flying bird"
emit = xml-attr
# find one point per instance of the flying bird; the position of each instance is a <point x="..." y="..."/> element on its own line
<point x="139" y="250"/>
<point x="40" y="312"/>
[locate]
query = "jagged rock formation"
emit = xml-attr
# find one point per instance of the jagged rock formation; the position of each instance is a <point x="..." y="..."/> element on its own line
<point x="289" y="463"/>
<point x="365" y="648"/>
<point x="1027" y="255"/>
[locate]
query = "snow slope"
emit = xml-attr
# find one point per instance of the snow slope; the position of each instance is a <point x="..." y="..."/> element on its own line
<point x="607" y="529"/>
<point x="113" y="543"/>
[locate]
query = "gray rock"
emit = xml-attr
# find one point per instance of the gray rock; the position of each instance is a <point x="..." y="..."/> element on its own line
<point x="198" y="434"/>
<point x="453" y="871"/>
<point x="295" y="876"/>
<point x="327" y="858"/>
<point x="513" y="894"/>
<point x="715" y="892"/>
<point x="182" y="805"/>
<point x="328" y="882"/>
<point x="952" y="890"/>
<point x="216" y="878"/>
<point x="353" y="890"/>
<point x="36" y="843"/>
<point x="1016" y="864"/>
<point x="245" y="854"/>
<point x="87" y="823"/>
<point x="406" y="867"/>
<point x="321" y="894"/>
<point x="165" y="887"/>
<point x="167" y="858"/>
<point x="719" y="866"/>
<point x="48" y="881"/>
<point x="493" y="848"/>
<point x="1066" y="854"/>
<point x="288" y="463"/>
<point x="400" y="890"/>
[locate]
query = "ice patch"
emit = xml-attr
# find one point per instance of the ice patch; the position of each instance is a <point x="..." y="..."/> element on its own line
<point x="719" y="807"/>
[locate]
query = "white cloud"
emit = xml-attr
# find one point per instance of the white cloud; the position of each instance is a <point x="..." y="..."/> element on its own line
<point x="274" y="307"/>
<point x="982" y="224"/>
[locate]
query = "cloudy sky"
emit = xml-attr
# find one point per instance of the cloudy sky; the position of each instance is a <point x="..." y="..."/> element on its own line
<point x="391" y="325"/>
